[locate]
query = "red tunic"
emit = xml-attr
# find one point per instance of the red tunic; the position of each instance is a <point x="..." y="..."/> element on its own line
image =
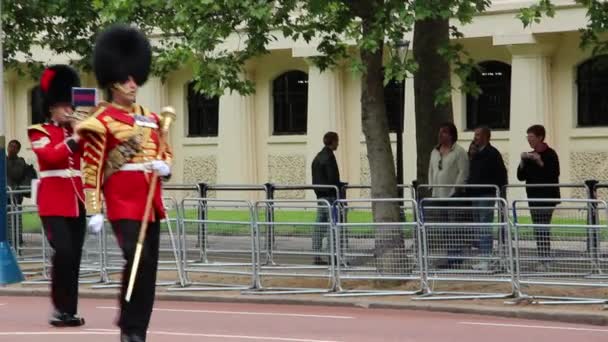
<point x="124" y="191"/>
<point x="58" y="194"/>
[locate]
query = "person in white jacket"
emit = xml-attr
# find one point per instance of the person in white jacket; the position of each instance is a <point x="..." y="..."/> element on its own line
<point x="449" y="165"/>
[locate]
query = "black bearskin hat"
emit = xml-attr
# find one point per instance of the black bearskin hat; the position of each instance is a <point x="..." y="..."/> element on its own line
<point x="121" y="51"/>
<point x="56" y="85"/>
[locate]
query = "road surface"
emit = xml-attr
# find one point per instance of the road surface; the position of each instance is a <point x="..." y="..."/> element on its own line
<point x="24" y="319"/>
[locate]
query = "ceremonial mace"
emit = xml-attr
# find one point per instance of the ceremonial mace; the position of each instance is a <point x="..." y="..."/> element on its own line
<point x="167" y="116"/>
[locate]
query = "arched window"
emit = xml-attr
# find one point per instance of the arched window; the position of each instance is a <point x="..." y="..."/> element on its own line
<point x="203" y="112"/>
<point x="36" y="114"/>
<point x="290" y="103"/>
<point x="592" y="87"/>
<point x="394" y="104"/>
<point x="492" y="107"/>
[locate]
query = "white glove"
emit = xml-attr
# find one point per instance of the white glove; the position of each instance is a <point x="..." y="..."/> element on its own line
<point x="95" y="223"/>
<point x="161" y="167"/>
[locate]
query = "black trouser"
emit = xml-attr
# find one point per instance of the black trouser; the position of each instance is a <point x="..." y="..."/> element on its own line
<point x="542" y="234"/>
<point x="66" y="236"/>
<point x="454" y="239"/>
<point x="135" y="315"/>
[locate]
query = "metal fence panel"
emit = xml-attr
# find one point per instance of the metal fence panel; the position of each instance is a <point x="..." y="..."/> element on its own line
<point x="554" y="247"/>
<point x="299" y="229"/>
<point x="373" y="252"/>
<point x="466" y="240"/>
<point x="169" y="266"/>
<point x="225" y="258"/>
<point x="34" y="253"/>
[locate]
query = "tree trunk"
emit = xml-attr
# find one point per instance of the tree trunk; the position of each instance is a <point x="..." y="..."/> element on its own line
<point x="389" y="247"/>
<point x="432" y="72"/>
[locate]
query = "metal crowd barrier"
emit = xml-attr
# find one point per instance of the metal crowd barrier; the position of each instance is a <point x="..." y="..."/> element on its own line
<point x="516" y="192"/>
<point x="204" y="193"/>
<point x="295" y="255"/>
<point x="461" y="244"/>
<point x="461" y="190"/>
<point x="271" y="190"/>
<point x="229" y="262"/>
<point x="25" y="244"/>
<point x="277" y="246"/>
<point x="33" y="250"/>
<point x="552" y="249"/>
<point x="169" y="251"/>
<point x="377" y="251"/>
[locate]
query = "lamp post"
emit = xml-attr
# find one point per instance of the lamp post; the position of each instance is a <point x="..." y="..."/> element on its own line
<point x="401" y="48"/>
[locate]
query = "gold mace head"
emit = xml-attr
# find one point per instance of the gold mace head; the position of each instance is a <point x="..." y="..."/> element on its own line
<point x="167" y="116"/>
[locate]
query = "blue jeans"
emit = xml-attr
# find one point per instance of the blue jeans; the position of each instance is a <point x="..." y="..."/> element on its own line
<point x="485" y="215"/>
<point x="320" y="231"/>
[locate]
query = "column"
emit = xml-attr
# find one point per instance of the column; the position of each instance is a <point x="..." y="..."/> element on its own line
<point x="9" y="111"/>
<point x="410" y="166"/>
<point x="530" y="98"/>
<point x="148" y="94"/>
<point x="325" y="113"/>
<point x="237" y="143"/>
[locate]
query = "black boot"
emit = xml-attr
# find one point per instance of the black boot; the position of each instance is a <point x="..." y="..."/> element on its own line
<point x="62" y="319"/>
<point x="131" y="337"/>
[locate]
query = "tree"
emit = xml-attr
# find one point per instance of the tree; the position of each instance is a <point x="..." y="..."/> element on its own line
<point x="360" y="32"/>
<point x="61" y="26"/>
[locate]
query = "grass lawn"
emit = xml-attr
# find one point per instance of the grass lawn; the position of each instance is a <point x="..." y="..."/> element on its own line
<point x="287" y="223"/>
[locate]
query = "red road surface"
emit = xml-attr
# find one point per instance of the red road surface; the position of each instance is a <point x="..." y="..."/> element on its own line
<point x="23" y="319"/>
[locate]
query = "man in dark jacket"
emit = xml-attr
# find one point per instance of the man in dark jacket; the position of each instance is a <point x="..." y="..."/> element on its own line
<point x="324" y="172"/>
<point x="486" y="168"/>
<point x="541" y="166"/>
<point x="16" y="172"/>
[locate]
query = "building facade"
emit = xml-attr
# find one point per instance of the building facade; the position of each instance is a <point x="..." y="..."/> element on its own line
<point x="537" y="75"/>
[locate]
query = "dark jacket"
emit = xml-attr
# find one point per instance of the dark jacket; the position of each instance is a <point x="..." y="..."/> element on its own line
<point x="532" y="173"/>
<point x="15" y="171"/>
<point x="325" y="172"/>
<point x="486" y="167"/>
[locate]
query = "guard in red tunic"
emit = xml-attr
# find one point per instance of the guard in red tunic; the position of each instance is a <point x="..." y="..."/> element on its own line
<point x="59" y="194"/>
<point x="122" y="150"/>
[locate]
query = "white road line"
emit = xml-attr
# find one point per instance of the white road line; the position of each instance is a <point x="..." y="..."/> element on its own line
<point x="32" y="333"/>
<point x="240" y="313"/>
<point x="533" y="326"/>
<point x="241" y="337"/>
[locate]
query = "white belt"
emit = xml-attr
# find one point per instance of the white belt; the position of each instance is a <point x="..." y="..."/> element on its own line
<point x="65" y="173"/>
<point x="145" y="167"/>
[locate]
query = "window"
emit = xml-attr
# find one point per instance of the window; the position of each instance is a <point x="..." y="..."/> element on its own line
<point x="393" y="101"/>
<point x="203" y="112"/>
<point x="36" y="114"/>
<point x="592" y="85"/>
<point x="492" y="107"/>
<point x="290" y="103"/>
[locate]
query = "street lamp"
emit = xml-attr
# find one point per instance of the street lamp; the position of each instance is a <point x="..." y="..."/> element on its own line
<point x="401" y="49"/>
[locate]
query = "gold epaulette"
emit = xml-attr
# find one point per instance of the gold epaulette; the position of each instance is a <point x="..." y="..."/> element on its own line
<point x="91" y="124"/>
<point x="38" y="128"/>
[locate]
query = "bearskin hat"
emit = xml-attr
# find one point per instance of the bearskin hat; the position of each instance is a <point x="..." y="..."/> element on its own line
<point x="121" y="51"/>
<point x="56" y="85"/>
